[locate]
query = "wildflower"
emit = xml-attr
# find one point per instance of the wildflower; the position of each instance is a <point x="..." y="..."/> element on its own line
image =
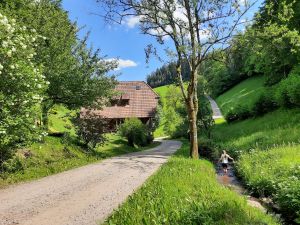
<point x="4" y="44"/>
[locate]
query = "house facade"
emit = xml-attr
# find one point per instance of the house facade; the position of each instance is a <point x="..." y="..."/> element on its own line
<point x="133" y="99"/>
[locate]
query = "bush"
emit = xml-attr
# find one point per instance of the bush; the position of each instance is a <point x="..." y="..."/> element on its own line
<point x="264" y="104"/>
<point x="135" y="132"/>
<point x="287" y="93"/>
<point x="240" y="112"/>
<point x="206" y="148"/>
<point x="12" y="165"/>
<point x="90" y="129"/>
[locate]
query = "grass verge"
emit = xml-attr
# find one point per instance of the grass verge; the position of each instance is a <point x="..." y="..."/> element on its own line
<point x="55" y="155"/>
<point x="185" y="191"/>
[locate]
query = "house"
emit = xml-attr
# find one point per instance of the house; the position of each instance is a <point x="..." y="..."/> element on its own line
<point x="133" y="99"/>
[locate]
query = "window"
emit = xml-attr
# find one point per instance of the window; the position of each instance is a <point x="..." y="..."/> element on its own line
<point x="120" y="102"/>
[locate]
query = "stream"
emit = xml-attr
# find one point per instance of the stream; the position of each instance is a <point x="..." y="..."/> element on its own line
<point x="231" y="181"/>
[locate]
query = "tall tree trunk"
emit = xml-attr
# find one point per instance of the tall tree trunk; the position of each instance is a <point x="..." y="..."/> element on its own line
<point x="191" y="101"/>
<point x="192" y="116"/>
<point x="192" y="106"/>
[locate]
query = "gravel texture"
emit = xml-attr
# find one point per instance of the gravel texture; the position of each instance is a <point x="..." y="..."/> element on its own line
<point x="86" y="195"/>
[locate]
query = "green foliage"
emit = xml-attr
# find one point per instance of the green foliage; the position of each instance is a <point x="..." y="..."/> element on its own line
<point x="90" y="129"/>
<point x="224" y="73"/>
<point x="240" y="112"/>
<point x="265" y="103"/>
<point x="166" y="126"/>
<point x="205" y="120"/>
<point x="174" y="122"/>
<point x="76" y="74"/>
<point x="268" y="148"/>
<point x="12" y="165"/>
<point x="185" y="191"/>
<point x="175" y="113"/>
<point x="135" y="132"/>
<point x="21" y="86"/>
<point x="288" y="93"/>
<point x="269" y="47"/>
<point x="275" y="173"/>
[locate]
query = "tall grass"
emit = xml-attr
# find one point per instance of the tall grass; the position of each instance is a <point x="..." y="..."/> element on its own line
<point x="185" y="191"/>
<point x="269" y="152"/>
<point x="275" y="173"/>
<point x="274" y="129"/>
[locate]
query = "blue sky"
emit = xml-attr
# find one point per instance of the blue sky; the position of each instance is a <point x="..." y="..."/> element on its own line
<point x="117" y="41"/>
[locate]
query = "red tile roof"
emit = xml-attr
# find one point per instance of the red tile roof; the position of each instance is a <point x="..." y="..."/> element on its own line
<point x="142" y="101"/>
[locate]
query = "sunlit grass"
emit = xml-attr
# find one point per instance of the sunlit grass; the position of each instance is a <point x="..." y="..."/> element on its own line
<point x="185" y="191"/>
<point x="269" y="152"/>
<point x="245" y="94"/>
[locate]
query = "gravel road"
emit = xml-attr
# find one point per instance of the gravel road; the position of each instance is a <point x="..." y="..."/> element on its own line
<point x="82" y="196"/>
<point x="215" y="108"/>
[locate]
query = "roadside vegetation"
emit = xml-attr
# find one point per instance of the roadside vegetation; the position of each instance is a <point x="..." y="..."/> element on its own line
<point x="268" y="149"/>
<point x="47" y="75"/>
<point x="185" y="191"/>
<point x="61" y="151"/>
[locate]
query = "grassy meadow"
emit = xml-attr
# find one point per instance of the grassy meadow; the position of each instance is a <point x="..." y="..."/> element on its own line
<point x="268" y="149"/>
<point x="58" y="154"/>
<point x="244" y="94"/>
<point x="185" y="191"/>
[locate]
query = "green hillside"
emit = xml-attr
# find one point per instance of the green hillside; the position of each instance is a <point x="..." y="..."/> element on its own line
<point x="244" y="94"/>
<point x="267" y="148"/>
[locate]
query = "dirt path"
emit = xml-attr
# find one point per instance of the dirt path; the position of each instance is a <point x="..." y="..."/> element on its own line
<point x="85" y="195"/>
<point x="215" y="108"/>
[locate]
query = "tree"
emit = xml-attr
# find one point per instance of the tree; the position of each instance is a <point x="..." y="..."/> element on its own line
<point x="196" y="27"/>
<point x="22" y="86"/>
<point x="76" y="74"/>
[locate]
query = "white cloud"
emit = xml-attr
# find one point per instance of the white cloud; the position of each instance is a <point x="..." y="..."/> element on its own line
<point x="132" y="21"/>
<point x="242" y="2"/>
<point x="123" y="63"/>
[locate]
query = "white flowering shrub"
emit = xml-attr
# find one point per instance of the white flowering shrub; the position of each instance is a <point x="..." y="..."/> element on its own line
<point x="21" y="86"/>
